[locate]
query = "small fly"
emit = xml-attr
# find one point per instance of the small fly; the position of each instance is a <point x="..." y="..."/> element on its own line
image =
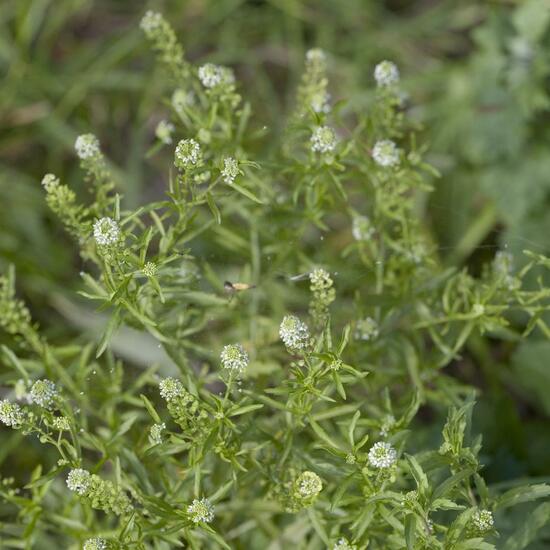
<point x="236" y="287"/>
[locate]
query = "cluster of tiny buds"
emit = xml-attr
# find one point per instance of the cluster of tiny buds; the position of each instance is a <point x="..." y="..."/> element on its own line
<point x="155" y="433"/>
<point x="343" y="544"/>
<point x="294" y="333"/>
<point x="366" y="329"/>
<point x="10" y="414"/>
<point x="43" y="393"/>
<point x="149" y="269"/>
<point x="95" y="543"/>
<point x="385" y="153"/>
<point x="230" y="170"/>
<point x="361" y="228"/>
<point x="201" y="511"/>
<point x="234" y="358"/>
<point x="308" y="485"/>
<point x="79" y="481"/>
<point x="386" y="74"/>
<point x="188" y="153"/>
<point x="382" y="455"/>
<point x="87" y="146"/>
<point x="106" y="231"/>
<point x="171" y="389"/>
<point x="50" y="182"/>
<point x="320" y="279"/>
<point x="323" y="140"/>
<point x="212" y="76"/>
<point x="164" y="131"/>
<point x="482" y="520"/>
<point x="151" y="22"/>
<point x="61" y="423"/>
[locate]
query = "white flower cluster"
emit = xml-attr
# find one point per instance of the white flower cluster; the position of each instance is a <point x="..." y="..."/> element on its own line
<point x="106" y="231"/>
<point x="10" y="414"/>
<point x="188" y="152"/>
<point x="382" y="455"/>
<point x="61" y="423"/>
<point x="385" y="153"/>
<point x="294" y="333"/>
<point x="43" y="393"/>
<point x="79" y="481"/>
<point x="230" y="170"/>
<point x="320" y="278"/>
<point x="182" y="99"/>
<point x="212" y="75"/>
<point x="201" y="511"/>
<point x="95" y="543"/>
<point x="386" y="74"/>
<point x="50" y="182"/>
<point x="234" y="358"/>
<point x="483" y="520"/>
<point x="155" y="433"/>
<point x="87" y="146"/>
<point x="151" y="22"/>
<point x="320" y="102"/>
<point x="361" y="228"/>
<point x="309" y="484"/>
<point x="164" y="131"/>
<point x="323" y="140"/>
<point x="343" y="544"/>
<point x="171" y="388"/>
<point x="366" y="329"/>
<point x="316" y="55"/>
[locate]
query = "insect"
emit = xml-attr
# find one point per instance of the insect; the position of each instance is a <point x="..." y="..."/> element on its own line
<point x="237" y="287"/>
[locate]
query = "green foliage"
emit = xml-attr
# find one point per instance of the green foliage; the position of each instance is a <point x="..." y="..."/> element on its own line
<point x="305" y="323"/>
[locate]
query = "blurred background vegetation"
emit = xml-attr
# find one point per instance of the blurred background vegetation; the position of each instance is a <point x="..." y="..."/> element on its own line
<point x="477" y="78"/>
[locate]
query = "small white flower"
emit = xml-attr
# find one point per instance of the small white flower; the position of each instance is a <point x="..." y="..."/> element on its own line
<point x="87" y="146"/>
<point x="234" y="358"/>
<point x="50" y="182"/>
<point x="478" y="310"/>
<point x="182" y="99"/>
<point x="95" y="543"/>
<point x="309" y="484"/>
<point x="320" y="102"/>
<point x="230" y="170"/>
<point x="385" y="153"/>
<point x="212" y="75"/>
<point x="382" y="455"/>
<point x="79" y="481"/>
<point x="188" y="152"/>
<point x="106" y="231"/>
<point x="164" y="131"/>
<point x="366" y="329"/>
<point x="43" y="393"/>
<point x="294" y="333"/>
<point x="323" y="140"/>
<point x="201" y="511"/>
<point x="170" y="389"/>
<point x="361" y="228"/>
<point x="343" y="544"/>
<point x="151" y="22"/>
<point x="483" y="520"/>
<point x="155" y="433"/>
<point x="316" y="55"/>
<point x="10" y="414"/>
<point x="386" y="73"/>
